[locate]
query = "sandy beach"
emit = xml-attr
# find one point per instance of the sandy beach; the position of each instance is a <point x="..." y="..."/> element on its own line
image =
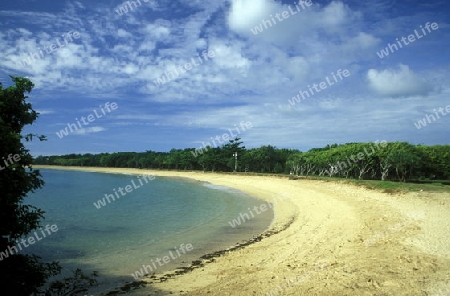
<point x="330" y="239"/>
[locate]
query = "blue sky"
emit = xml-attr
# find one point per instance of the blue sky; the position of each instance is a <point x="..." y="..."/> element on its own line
<point x="250" y="78"/>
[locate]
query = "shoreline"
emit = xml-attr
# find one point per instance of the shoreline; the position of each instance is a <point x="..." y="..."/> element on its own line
<point x="328" y="225"/>
<point x="183" y="175"/>
<point x="207" y="177"/>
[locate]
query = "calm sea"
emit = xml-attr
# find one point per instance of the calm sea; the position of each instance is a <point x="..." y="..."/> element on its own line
<point x="146" y="223"/>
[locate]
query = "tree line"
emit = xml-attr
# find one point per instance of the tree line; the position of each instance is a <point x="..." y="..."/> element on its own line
<point x="398" y="161"/>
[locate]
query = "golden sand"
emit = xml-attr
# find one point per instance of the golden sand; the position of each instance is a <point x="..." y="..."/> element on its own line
<point x="340" y="240"/>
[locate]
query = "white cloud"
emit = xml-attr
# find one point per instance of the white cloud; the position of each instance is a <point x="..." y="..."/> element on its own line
<point x="246" y="14"/>
<point x="250" y="78"/>
<point x="330" y="104"/>
<point x="124" y="34"/>
<point x="336" y="14"/>
<point x="397" y="83"/>
<point x="89" y="130"/>
<point x="302" y="22"/>
<point x="156" y="31"/>
<point x="44" y="112"/>
<point x="362" y="41"/>
<point x="229" y="56"/>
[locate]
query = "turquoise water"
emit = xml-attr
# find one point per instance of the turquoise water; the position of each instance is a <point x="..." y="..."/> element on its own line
<point x="147" y="222"/>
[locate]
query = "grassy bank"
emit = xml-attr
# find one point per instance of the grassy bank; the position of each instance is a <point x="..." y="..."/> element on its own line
<point x="387" y="186"/>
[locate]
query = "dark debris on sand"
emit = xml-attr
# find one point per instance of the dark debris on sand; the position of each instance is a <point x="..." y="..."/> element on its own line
<point x="205" y="259"/>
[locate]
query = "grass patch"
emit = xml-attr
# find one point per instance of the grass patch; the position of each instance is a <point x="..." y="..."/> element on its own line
<point x="385" y="186"/>
<point x="395" y="187"/>
<point x="400" y="187"/>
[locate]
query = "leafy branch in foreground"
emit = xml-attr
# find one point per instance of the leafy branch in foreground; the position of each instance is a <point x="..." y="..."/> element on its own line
<point x="21" y="273"/>
<point x="78" y="283"/>
<point x="24" y="274"/>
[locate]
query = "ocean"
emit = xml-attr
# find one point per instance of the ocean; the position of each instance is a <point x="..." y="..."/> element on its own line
<point x="175" y="220"/>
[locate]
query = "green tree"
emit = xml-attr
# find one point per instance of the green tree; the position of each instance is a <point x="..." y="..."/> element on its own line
<point x="21" y="274"/>
<point x="294" y="163"/>
<point x="435" y="161"/>
<point x="405" y="160"/>
<point x="266" y="156"/>
<point x="228" y="150"/>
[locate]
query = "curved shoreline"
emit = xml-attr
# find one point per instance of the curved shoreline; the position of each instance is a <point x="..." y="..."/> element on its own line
<point x="202" y="260"/>
<point x="207" y="177"/>
<point x="330" y="225"/>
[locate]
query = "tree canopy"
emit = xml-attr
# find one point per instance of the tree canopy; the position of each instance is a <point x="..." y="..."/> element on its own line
<point x="377" y="161"/>
<point x="22" y="274"/>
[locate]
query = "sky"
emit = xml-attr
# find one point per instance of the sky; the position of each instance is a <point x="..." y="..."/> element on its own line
<point x="184" y="71"/>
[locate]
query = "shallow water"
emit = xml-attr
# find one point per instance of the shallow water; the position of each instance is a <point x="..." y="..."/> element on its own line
<point x="142" y="225"/>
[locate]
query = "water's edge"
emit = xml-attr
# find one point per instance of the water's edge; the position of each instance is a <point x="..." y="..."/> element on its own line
<point x="164" y="275"/>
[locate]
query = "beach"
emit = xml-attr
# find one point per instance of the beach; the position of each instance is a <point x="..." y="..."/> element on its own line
<point x="327" y="238"/>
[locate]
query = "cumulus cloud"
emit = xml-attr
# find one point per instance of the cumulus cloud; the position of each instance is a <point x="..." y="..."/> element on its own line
<point x="397" y="83"/>
<point x="245" y="14"/>
<point x="302" y="19"/>
<point x="229" y="56"/>
<point x="251" y="77"/>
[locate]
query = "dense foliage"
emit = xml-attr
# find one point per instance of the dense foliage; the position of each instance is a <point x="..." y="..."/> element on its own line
<point x="19" y="274"/>
<point x="378" y="161"/>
